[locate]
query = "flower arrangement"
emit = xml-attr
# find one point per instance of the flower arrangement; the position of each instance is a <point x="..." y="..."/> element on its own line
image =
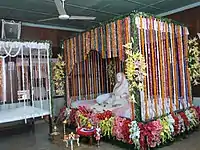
<point x="197" y="110"/>
<point x="194" y="61"/>
<point x="121" y="129"/>
<point x="59" y="75"/>
<point x="135" y="134"/>
<point x="106" y="126"/>
<point x="166" y="133"/>
<point x="135" y="67"/>
<point x="72" y="116"/>
<point x="185" y="119"/>
<point x="192" y="117"/>
<point x="176" y="124"/>
<point x="135" y="70"/>
<point x="153" y="130"/>
<point x="142" y="135"/>
<point x="125" y="130"/>
<point x="182" y="126"/>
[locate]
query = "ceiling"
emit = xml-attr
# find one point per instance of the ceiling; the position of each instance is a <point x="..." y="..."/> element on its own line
<point x="33" y="10"/>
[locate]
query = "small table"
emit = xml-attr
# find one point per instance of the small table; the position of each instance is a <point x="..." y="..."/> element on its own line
<point x="86" y="133"/>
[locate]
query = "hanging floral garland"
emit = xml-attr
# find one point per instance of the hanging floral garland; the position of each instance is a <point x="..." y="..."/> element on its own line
<point x="193" y="60"/>
<point x="59" y="76"/>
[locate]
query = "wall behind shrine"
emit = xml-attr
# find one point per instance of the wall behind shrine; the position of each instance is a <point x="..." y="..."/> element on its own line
<point x="190" y="18"/>
<point x="33" y="33"/>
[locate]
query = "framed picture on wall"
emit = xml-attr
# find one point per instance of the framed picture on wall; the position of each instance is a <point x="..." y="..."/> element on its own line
<point x="11" y="30"/>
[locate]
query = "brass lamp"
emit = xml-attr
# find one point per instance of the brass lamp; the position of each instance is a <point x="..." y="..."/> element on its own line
<point x="64" y="124"/>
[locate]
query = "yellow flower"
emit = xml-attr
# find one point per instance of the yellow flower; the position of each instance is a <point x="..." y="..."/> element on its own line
<point x="59" y="75"/>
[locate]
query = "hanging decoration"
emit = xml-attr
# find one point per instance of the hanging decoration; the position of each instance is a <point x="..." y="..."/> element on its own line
<point x="194" y="61"/>
<point x="110" y="69"/>
<point x="59" y="75"/>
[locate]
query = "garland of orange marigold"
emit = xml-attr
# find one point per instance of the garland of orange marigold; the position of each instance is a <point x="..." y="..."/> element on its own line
<point x="92" y="39"/>
<point x="153" y="68"/>
<point x="75" y="68"/>
<point x="169" y="66"/>
<point x="119" y="38"/>
<point x="174" y="66"/>
<point x="96" y="39"/>
<point x="108" y="40"/>
<point x="180" y="60"/>
<point x="94" y="74"/>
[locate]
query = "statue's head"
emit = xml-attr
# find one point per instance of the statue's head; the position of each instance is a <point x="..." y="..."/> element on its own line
<point x="120" y="76"/>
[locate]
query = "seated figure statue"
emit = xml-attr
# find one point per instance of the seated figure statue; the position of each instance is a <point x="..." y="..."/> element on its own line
<point x="118" y="98"/>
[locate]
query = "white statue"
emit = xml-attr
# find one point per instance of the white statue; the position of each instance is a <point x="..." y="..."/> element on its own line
<point x="118" y="98"/>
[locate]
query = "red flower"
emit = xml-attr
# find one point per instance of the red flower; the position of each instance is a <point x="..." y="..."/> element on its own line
<point x="72" y="116"/>
<point x="125" y="130"/>
<point x="143" y="134"/>
<point x="198" y="111"/>
<point x="176" y="124"/>
<point x="185" y="119"/>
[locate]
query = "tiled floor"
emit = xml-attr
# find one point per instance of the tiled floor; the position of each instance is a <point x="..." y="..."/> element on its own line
<point x="39" y="141"/>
